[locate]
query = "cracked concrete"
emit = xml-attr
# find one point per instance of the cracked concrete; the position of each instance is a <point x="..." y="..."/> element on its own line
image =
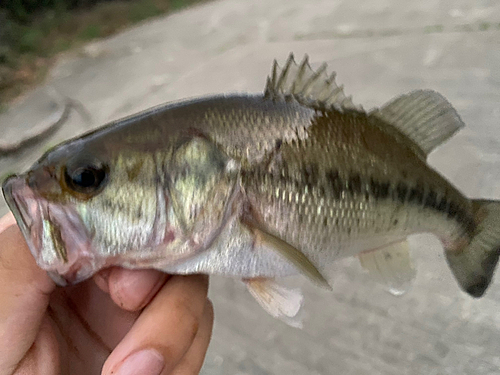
<point x="27" y="122"/>
<point x="380" y="49"/>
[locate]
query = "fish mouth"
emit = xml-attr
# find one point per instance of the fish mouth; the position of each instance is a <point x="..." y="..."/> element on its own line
<point x="20" y="200"/>
<point x="54" y="233"/>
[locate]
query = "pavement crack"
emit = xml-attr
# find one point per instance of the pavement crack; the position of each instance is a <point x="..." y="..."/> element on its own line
<point x="397" y="31"/>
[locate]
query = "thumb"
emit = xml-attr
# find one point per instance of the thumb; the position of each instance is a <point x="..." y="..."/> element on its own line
<point x="24" y="295"/>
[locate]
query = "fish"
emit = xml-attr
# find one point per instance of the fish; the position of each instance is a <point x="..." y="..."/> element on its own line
<point x="258" y="187"/>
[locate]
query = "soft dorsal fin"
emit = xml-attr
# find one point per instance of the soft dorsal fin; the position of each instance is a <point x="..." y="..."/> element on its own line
<point x="313" y="88"/>
<point x="424" y="116"/>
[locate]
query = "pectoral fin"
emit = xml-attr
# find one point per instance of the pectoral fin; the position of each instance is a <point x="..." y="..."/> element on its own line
<point x="295" y="256"/>
<point x="391" y="266"/>
<point x="278" y="301"/>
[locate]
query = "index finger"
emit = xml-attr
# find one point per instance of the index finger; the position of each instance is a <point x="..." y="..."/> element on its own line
<point x="164" y="331"/>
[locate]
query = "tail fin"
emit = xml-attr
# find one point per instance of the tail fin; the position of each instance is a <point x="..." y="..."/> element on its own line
<point x="474" y="265"/>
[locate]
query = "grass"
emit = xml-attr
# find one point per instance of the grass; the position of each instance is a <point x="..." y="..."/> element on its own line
<point x="32" y="48"/>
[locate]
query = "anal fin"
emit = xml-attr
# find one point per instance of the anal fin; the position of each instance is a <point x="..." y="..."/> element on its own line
<point x="391" y="266"/>
<point x="279" y="301"/>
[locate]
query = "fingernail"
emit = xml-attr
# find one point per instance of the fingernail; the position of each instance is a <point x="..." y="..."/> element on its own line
<point x="144" y="362"/>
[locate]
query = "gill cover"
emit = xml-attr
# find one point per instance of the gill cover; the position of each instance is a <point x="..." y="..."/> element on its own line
<point x="202" y="180"/>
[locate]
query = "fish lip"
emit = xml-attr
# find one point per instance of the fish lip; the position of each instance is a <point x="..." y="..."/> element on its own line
<point x="17" y="206"/>
<point x="28" y="211"/>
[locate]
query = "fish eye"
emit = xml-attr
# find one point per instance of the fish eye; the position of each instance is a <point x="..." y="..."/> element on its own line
<point x="86" y="179"/>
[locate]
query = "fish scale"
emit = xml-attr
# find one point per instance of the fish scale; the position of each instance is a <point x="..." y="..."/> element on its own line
<point x="334" y="173"/>
<point x="258" y="187"/>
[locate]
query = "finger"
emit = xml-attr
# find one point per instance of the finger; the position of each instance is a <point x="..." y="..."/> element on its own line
<point x="193" y="360"/>
<point x="130" y="289"/>
<point x="7" y="221"/>
<point x="133" y="289"/>
<point x="24" y="296"/>
<point x="101" y="279"/>
<point x="164" y="331"/>
<point x="43" y="355"/>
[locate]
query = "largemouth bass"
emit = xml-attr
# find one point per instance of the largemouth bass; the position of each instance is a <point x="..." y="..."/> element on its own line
<point x="258" y="187"/>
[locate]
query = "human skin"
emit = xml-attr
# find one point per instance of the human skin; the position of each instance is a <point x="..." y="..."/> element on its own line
<point x="121" y="322"/>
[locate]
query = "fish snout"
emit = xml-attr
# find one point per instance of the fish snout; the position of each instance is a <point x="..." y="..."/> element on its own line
<point x="43" y="180"/>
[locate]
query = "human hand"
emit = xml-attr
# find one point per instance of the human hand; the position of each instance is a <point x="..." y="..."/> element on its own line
<point x="134" y="322"/>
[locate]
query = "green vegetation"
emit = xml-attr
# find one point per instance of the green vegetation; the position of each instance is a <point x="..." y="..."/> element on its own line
<point x="92" y="31"/>
<point x="33" y="32"/>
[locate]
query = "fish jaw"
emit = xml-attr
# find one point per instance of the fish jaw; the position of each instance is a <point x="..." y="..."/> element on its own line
<point x="55" y="235"/>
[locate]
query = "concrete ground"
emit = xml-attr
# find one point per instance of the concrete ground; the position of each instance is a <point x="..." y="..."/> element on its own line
<point x="380" y="48"/>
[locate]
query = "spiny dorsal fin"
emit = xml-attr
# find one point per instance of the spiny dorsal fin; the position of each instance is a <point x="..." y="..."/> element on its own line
<point x="308" y="87"/>
<point x="424" y="116"/>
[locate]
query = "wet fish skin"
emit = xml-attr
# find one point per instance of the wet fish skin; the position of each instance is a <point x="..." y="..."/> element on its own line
<point x="161" y="187"/>
<point x="257" y="187"/>
<point x="350" y="181"/>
